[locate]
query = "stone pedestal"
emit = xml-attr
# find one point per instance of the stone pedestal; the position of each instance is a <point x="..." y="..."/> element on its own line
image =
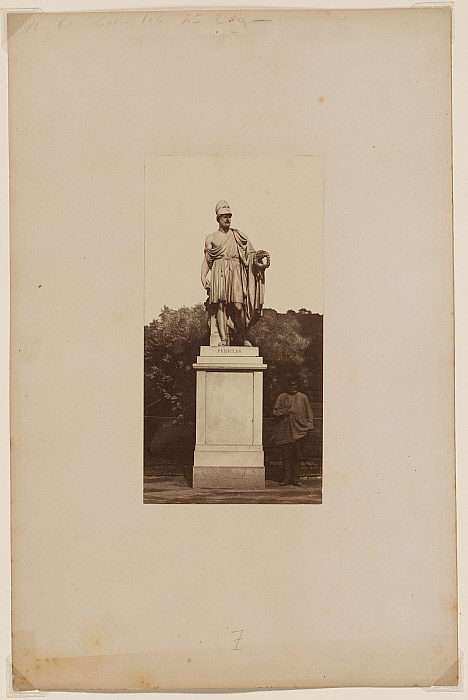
<point x="228" y="449"/>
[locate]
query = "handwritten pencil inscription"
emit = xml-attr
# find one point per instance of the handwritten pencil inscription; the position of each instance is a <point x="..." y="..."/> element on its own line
<point x="153" y="19"/>
<point x="237" y="640"/>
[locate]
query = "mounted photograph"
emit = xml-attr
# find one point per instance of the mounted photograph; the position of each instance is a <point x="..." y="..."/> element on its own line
<point x="233" y="366"/>
<point x="246" y="302"/>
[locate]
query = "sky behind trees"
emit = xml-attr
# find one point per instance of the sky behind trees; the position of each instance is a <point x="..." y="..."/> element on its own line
<point x="276" y="200"/>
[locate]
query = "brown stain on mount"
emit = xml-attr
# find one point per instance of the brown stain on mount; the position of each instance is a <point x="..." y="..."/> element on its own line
<point x="102" y="635"/>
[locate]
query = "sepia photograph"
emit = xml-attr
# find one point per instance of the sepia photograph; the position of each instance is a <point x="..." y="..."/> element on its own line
<point x="233" y="329"/>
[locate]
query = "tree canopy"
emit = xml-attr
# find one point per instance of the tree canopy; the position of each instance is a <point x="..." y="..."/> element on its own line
<point x="172" y="343"/>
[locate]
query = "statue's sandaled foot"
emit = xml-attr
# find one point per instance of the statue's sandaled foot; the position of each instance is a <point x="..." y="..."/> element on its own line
<point x="223" y="342"/>
<point x="247" y="344"/>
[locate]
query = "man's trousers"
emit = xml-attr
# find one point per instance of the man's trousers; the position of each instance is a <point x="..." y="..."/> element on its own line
<point x="292" y="454"/>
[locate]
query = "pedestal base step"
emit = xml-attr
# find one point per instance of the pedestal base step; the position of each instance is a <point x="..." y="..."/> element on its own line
<point x="235" y="478"/>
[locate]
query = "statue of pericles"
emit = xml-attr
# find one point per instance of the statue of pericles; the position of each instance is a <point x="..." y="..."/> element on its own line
<point x="233" y="273"/>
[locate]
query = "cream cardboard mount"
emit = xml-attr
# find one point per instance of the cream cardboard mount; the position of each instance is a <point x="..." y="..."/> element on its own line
<point x="110" y="593"/>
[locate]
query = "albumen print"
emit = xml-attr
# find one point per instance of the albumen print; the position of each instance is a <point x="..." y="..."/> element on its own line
<point x="233" y="329"/>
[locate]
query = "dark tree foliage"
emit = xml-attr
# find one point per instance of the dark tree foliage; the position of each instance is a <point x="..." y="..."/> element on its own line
<point x="172" y="343"/>
<point x="283" y="348"/>
<point x="312" y="328"/>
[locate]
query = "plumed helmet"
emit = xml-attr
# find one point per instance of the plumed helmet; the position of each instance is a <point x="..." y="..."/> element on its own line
<point x="222" y="208"/>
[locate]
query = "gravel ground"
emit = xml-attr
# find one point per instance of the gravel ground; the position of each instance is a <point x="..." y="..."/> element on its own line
<point x="176" y="489"/>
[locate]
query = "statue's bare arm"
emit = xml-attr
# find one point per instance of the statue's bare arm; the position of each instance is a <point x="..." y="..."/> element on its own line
<point x="205" y="267"/>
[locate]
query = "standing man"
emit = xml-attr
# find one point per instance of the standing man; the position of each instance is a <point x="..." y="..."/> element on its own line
<point x="295" y="420"/>
<point x="237" y="281"/>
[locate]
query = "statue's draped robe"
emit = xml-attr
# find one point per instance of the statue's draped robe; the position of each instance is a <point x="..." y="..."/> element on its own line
<point x="235" y="278"/>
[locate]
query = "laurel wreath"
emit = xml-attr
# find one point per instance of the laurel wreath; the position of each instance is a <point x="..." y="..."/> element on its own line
<point x="258" y="259"/>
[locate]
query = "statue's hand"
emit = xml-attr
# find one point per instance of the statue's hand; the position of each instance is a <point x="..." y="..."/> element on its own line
<point x="206" y="284"/>
<point x="262" y="259"/>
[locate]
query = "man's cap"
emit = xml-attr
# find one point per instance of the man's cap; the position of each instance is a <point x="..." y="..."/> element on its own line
<point x="222" y="208"/>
